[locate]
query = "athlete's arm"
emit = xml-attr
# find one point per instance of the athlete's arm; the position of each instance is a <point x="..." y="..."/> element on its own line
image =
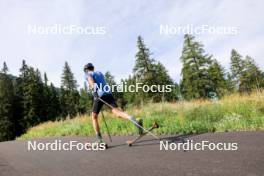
<point x="90" y="82"/>
<point x="91" y="86"/>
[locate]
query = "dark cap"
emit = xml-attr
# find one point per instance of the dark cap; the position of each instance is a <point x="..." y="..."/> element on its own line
<point x="88" y="66"/>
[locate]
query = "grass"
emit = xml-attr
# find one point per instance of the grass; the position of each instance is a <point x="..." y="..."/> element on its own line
<point x="232" y="113"/>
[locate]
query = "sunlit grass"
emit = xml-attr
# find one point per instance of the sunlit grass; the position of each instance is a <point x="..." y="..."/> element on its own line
<point x="232" y="113"/>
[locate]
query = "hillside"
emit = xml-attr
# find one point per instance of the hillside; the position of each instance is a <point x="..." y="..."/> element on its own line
<point x="232" y="113"/>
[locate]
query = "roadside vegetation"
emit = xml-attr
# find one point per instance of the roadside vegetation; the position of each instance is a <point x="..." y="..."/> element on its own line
<point x="232" y="113"/>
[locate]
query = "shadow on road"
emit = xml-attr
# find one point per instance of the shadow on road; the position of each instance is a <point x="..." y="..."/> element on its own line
<point x="170" y="139"/>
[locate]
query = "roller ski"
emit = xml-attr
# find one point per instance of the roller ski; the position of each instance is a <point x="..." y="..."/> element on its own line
<point x="142" y="132"/>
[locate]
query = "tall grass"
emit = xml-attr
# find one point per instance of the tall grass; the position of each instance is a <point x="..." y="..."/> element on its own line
<point x="232" y="113"/>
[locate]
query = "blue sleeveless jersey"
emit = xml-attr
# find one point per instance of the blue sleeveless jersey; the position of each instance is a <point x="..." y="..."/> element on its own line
<point x="102" y="87"/>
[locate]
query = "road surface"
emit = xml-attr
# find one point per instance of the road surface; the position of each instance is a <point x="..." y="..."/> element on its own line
<point x="144" y="159"/>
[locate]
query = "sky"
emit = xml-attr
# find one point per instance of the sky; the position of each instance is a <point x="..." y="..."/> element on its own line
<point x="113" y="27"/>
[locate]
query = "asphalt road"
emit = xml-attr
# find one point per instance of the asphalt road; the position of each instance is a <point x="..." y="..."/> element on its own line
<point x="145" y="158"/>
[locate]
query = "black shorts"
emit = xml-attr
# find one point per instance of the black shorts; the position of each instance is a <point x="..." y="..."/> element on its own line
<point x="97" y="104"/>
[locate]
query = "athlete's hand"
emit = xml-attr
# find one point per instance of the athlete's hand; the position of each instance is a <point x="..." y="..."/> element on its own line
<point x="95" y="95"/>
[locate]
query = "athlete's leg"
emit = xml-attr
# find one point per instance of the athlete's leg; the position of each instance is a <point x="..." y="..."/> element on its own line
<point x="126" y="116"/>
<point x="95" y="122"/>
<point x="97" y="105"/>
<point x="121" y="113"/>
<point x="110" y="100"/>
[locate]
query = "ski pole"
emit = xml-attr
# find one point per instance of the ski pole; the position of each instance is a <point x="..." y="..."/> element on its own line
<point x="110" y="138"/>
<point x="110" y="106"/>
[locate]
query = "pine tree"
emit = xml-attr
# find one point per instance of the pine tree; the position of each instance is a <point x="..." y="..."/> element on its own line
<point x="143" y="69"/>
<point x="29" y="93"/>
<point x="195" y="81"/>
<point x="21" y="104"/>
<point x="129" y="96"/>
<point x="23" y="69"/>
<point x="25" y="98"/>
<point x="149" y="72"/>
<point x="46" y="79"/>
<point x="230" y="84"/>
<point x="46" y="100"/>
<point x="19" y="84"/>
<point x="68" y="81"/>
<point x="246" y="75"/>
<point x="237" y="68"/>
<point x="85" y="102"/>
<point x="162" y="78"/>
<point x="252" y="77"/>
<point x="176" y="92"/>
<point x="110" y="80"/>
<point x="32" y="98"/>
<point x="6" y="108"/>
<point x="54" y="103"/>
<point x="63" y="105"/>
<point x="5" y="68"/>
<point x="217" y="78"/>
<point x="40" y="101"/>
<point x="69" y="98"/>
